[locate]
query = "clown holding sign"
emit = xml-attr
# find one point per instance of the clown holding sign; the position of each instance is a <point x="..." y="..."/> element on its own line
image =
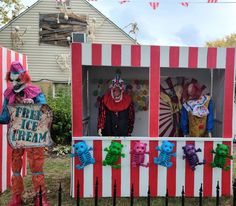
<point x="23" y="92"/>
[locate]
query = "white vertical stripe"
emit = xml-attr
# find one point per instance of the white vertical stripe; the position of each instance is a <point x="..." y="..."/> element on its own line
<point x="164" y="56"/>
<point x="21" y="58"/>
<point x="180" y="167"/>
<point x="125" y="170"/>
<point x="198" y="173"/>
<point x="144" y="176"/>
<point x="106" y="173"/>
<point x="72" y="181"/>
<point x="202" y="58"/>
<point x="106" y="55"/>
<point x="161" y="177"/>
<point x="88" y="175"/>
<point x="221" y="58"/>
<point x="183" y="57"/>
<point x="145" y="56"/>
<point x="126" y="55"/>
<point x="86" y="54"/>
<point x="217" y="174"/>
<point x="4" y="138"/>
<point x="13" y="56"/>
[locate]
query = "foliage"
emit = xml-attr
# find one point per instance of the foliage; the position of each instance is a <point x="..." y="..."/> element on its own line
<point x="61" y="150"/>
<point x="61" y="107"/>
<point x="9" y="9"/>
<point x="228" y="41"/>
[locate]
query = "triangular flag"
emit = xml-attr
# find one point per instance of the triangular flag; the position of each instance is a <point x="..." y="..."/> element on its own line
<point x="123" y="1"/>
<point x="154" y="5"/>
<point x="185" y="4"/>
<point x="212" y="1"/>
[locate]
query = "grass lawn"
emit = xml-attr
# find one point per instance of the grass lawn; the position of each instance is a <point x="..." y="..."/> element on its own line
<point x="58" y="170"/>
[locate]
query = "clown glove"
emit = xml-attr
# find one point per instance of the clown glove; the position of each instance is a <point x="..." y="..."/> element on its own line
<point x="28" y="101"/>
<point x="100" y="132"/>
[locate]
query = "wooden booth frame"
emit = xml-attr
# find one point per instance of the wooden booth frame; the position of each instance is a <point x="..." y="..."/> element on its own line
<point x="159" y="179"/>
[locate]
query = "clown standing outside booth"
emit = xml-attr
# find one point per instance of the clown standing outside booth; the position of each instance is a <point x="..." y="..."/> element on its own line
<point x="22" y="91"/>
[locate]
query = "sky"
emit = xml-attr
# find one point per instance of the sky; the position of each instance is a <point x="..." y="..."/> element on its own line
<point x="171" y="23"/>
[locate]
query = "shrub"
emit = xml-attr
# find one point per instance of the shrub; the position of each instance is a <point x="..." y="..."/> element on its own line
<point x="61" y="107"/>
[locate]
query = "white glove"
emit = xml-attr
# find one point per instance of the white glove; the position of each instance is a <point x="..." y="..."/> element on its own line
<point x="28" y="101"/>
<point x="100" y="132"/>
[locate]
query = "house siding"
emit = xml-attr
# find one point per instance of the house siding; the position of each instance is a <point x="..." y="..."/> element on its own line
<point x="42" y="57"/>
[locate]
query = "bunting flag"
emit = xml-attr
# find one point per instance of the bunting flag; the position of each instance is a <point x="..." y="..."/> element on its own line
<point x="154" y="5"/>
<point x="123" y="1"/>
<point x="185" y="4"/>
<point x="212" y="1"/>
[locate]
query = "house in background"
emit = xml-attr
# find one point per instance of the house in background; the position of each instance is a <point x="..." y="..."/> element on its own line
<point x="43" y="32"/>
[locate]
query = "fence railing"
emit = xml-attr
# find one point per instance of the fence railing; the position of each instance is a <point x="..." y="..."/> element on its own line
<point x="114" y="195"/>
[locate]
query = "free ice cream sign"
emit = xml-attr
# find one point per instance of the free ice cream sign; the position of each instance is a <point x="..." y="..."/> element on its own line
<point x="29" y="125"/>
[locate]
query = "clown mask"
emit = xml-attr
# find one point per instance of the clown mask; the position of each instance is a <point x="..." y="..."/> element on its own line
<point x="18" y="76"/>
<point x="16" y="82"/>
<point x="117" y="88"/>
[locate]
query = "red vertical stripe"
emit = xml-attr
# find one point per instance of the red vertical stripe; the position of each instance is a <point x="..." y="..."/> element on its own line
<point x="96" y="54"/>
<point x="226" y="175"/>
<point x="134" y="174"/>
<point x="97" y="167"/>
<point x="154" y="91"/>
<point x="189" y="177"/>
<point x="9" y="149"/>
<point x="116" y="173"/>
<point x="16" y="56"/>
<point x="116" y="55"/>
<point x="78" y="177"/>
<point x="229" y="93"/>
<point x="77" y="90"/>
<point x="174" y="57"/>
<point x="192" y="57"/>
<point x="207" y="171"/>
<point x="153" y="168"/>
<point x="171" y="175"/>
<point x="135" y="55"/>
<point x="211" y="57"/>
<point x="25" y="62"/>
<point x="77" y="128"/>
<point x="1" y="147"/>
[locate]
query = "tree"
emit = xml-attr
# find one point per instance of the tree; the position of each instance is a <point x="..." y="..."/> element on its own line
<point x="9" y="9"/>
<point x="228" y="41"/>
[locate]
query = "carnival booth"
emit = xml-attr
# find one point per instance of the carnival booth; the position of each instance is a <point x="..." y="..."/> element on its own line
<point x="6" y="57"/>
<point x="174" y="106"/>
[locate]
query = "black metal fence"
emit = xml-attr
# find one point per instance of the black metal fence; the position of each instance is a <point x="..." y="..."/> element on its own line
<point x="183" y="198"/>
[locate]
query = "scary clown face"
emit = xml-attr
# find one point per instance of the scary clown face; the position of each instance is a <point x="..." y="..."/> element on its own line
<point x="117" y="88"/>
<point x="18" y="76"/>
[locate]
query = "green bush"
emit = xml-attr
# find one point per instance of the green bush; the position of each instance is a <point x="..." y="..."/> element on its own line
<point x="61" y="107"/>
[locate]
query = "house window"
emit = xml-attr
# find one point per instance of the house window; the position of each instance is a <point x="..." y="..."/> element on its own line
<point x="59" y="3"/>
<point x="60" y="89"/>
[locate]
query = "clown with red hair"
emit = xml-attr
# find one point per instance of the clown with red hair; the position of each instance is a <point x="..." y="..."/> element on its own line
<point x="197" y="118"/>
<point x="116" y="112"/>
<point x="22" y="91"/>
